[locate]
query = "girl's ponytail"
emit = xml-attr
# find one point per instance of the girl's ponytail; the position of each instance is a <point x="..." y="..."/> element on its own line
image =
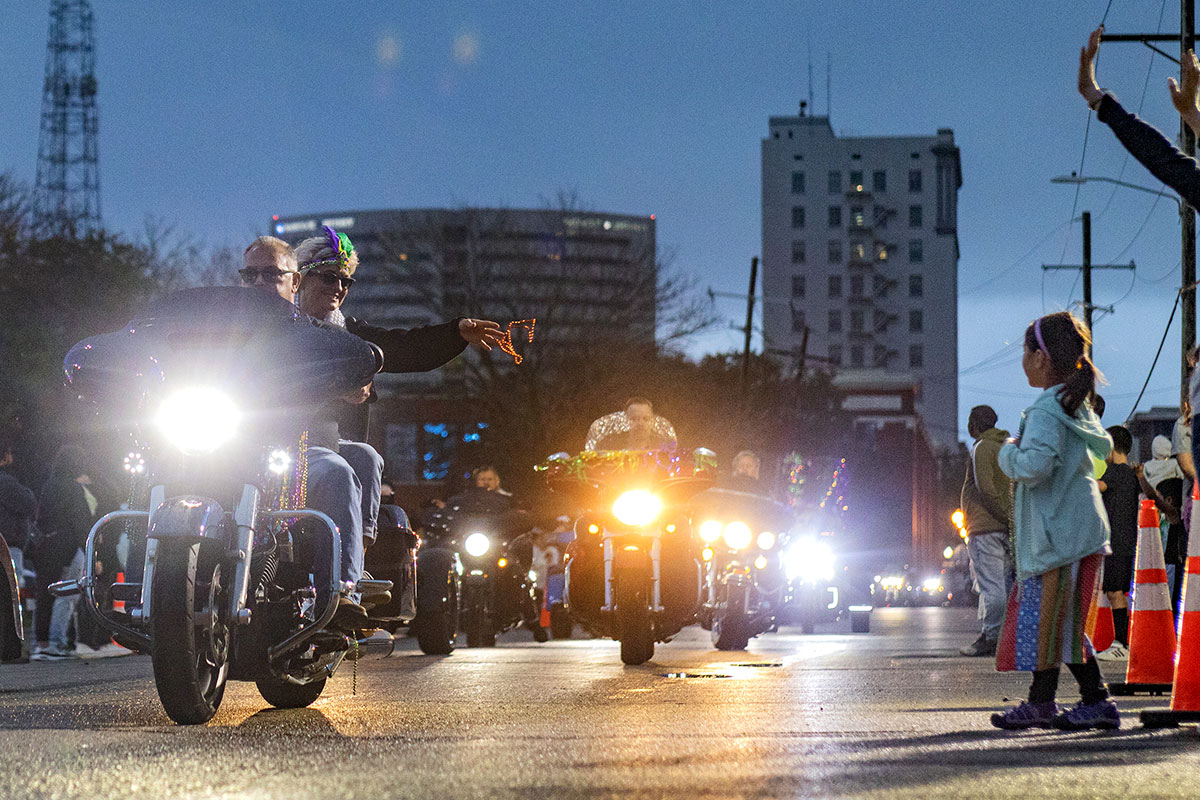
<point x="1064" y="339"/>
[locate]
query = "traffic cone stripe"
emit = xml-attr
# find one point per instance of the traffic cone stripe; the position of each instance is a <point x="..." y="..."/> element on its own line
<point x="1191" y="597"/>
<point x="1193" y="564"/>
<point x="1151" y="597"/>
<point x="1150" y="576"/>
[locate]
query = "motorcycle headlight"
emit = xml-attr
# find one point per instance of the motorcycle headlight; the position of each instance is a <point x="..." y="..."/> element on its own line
<point x="766" y="540"/>
<point x="710" y="530"/>
<point x="198" y="420"/>
<point x="637" y="507"/>
<point x="932" y="584"/>
<point x="477" y="544"/>
<point x="810" y="561"/>
<point x="737" y="535"/>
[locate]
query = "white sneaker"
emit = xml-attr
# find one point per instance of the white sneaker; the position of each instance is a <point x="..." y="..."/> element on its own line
<point x="110" y="650"/>
<point x="1118" y="652"/>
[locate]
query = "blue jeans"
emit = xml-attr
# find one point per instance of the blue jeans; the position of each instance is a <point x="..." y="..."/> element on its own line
<point x="334" y="489"/>
<point x="992" y="565"/>
<point x="63" y="610"/>
<point x="368" y="466"/>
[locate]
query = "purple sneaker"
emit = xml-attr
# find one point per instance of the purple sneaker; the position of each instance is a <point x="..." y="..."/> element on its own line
<point x="1081" y="717"/>
<point x="1027" y="715"/>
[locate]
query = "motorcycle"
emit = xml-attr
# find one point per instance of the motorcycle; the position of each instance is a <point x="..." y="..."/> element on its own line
<point x="496" y="588"/>
<point x="213" y="379"/>
<point x="745" y="582"/>
<point x="633" y="570"/>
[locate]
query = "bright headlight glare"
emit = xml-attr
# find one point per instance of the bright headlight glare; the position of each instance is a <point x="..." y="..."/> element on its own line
<point x="737" y="535"/>
<point x="279" y="461"/>
<point x="198" y="420"/>
<point x="810" y="561"/>
<point x="476" y="544"/>
<point x="710" y="530"/>
<point x="637" y="507"/>
<point x="931" y="584"/>
<point x="766" y="540"/>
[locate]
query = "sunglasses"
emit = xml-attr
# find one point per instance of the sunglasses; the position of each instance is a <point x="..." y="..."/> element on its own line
<point x="334" y="279"/>
<point x="269" y="274"/>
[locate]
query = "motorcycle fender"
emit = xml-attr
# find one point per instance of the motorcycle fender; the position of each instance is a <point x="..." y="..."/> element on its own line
<point x="631" y="560"/>
<point x="187" y="517"/>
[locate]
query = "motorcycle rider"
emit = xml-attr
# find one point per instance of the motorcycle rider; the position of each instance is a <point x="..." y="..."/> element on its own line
<point x="269" y="265"/>
<point x="744" y="477"/>
<point x="639" y="412"/>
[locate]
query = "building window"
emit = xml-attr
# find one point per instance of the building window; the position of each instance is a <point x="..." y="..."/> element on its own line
<point x="835" y="216"/>
<point x="835" y="183"/>
<point x="798" y="251"/>
<point x="916" y="356"/>
<point x="856" y="355"/>
<point x="858" y="217"/>
<point x="914" y="181"/>
<point x="916" y="286"/>
<point x="856" y="285"/>
<point x="914" y="216"/>
<point x="879" y="322"/>
<point x="835" y="321"/>
<point x="856" y="180"/>
<point x="797" y="216"/>
<point x="835" y="286"/>
<point x="797" y="286"/>
<point x="879" y="216"/>
<point x="881" y="356"/>
<point x="858" y="251"/>
<point x="881" y="252"/>
<point x="916" y="321"/>
<point x="916" y="251"/>
<point x="797" y="321"/>
<point x="856" y="321"/>
<point x="835" y="251"/>
<point x="797" y="183"/>
<point x="879" y="287"/>
<point x="835" y="355"/>
<point x="879" y="180"/>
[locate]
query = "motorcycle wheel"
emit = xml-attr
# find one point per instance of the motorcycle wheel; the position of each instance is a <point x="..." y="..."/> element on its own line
<point x="281" y="694"/>
<point x="437" y="613"/>
<point x="730" y="630"/>
<point x="190" y="650"/>
<point x="634" y="626"/>
<point x="561" y="624"/>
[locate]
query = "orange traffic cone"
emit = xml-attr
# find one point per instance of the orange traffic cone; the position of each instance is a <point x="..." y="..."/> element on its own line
<point x="545" y="618"/>
<point x="119" y="605"/>
<point x="1185" y="693"/>
<point x="1100" y="627"/>
<point x="1151" y="618"/>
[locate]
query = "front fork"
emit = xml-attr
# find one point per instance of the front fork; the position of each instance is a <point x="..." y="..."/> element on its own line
<point x="655" y="573"/>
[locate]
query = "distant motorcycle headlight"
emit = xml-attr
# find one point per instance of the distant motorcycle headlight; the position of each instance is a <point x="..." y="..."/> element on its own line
<point x="766" y="540"/>
<point x="198" y="420"/>
<point x="810" y="561"/>
<point x="477" y="544"/>
<point x="710" y="530"/>
<point x="637" y="507"/>
<point x="737" y="535"/>
<point x="931" y="584"/>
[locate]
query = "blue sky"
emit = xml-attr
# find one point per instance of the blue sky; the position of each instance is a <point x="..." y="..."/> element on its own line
<point x="215" y="116"/>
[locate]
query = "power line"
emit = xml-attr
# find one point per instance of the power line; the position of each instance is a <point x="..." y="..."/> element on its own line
<point x="1157" y="353"/>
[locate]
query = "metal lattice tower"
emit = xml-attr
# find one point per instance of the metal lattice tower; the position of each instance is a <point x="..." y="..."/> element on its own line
<point x="67" y="198"/>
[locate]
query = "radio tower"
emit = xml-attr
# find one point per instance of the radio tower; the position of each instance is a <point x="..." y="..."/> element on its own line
<point x="67" y="193"/>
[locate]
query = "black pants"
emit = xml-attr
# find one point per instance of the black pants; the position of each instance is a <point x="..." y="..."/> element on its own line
<point x="1091" y="683"/>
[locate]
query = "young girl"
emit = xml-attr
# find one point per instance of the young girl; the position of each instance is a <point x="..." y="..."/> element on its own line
<point x="1060" y="531"/>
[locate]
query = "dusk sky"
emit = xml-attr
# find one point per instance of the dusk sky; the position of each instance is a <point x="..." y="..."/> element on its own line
<point x="215" y="116"/>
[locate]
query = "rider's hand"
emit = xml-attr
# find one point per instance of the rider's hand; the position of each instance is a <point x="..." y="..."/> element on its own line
<point x="1184" y="97"/>
<point x="482" y="333"/>
<point x="358" y="396"/>
<point x="1087" y="69"/>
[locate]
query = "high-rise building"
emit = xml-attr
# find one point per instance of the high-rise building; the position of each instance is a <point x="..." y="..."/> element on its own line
<point x="860" y="258"/>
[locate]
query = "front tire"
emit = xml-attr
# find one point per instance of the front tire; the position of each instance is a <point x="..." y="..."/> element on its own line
<point x="635" y="628"/>
<point x="282" y="694"/>
<point x="190" y="650"/>
<point x="730" y="630"/>
<point x="437" y="608"/>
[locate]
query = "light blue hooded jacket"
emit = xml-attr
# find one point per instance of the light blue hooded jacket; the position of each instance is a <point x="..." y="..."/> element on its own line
<point x="1058" y="516"/>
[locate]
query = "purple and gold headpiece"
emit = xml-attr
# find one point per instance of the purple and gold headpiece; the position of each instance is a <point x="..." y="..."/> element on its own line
<point x="342" y="249"/>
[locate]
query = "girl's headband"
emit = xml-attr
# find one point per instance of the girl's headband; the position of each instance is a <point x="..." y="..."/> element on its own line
<point x="341" y="246"/>
<point x="1037" y="332"/>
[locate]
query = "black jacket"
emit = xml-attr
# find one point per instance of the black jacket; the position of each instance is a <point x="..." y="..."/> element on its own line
<point x="416" y="350"/>
<point x="1155" y="152"/>
<point x="17" y="508"/>
<point x="64" y="520"/>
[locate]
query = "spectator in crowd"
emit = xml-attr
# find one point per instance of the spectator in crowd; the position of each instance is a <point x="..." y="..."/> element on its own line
<point x="17" y="508"/>
<point x="1119" y="487"/>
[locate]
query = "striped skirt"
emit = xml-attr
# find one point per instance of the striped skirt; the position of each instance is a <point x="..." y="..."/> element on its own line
<point x="1044" y="623"/>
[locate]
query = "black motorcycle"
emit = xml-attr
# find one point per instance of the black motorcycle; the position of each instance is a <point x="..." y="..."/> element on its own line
<point x="12" y="632"/>
<point x="632" y="573"/>
<point x="492" y="544"/>
<point x="212" y="380"/>
<point x="745" y="583"/>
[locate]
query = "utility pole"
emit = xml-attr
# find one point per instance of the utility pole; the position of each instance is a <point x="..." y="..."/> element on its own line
<point x="749" y="325"/>
<point x="1087" y="266"/>
<point x="1187" y="217"/>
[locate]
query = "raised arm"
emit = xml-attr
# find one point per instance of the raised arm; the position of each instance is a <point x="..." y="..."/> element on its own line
<point x="1184" y="97"/>
<point x="1143" y="141"/>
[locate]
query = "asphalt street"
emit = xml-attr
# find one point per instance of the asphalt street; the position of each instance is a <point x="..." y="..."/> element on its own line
<point x="894" y="712"/>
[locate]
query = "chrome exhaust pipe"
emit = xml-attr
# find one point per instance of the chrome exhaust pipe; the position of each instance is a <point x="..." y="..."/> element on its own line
<point x="378" y="645"/>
